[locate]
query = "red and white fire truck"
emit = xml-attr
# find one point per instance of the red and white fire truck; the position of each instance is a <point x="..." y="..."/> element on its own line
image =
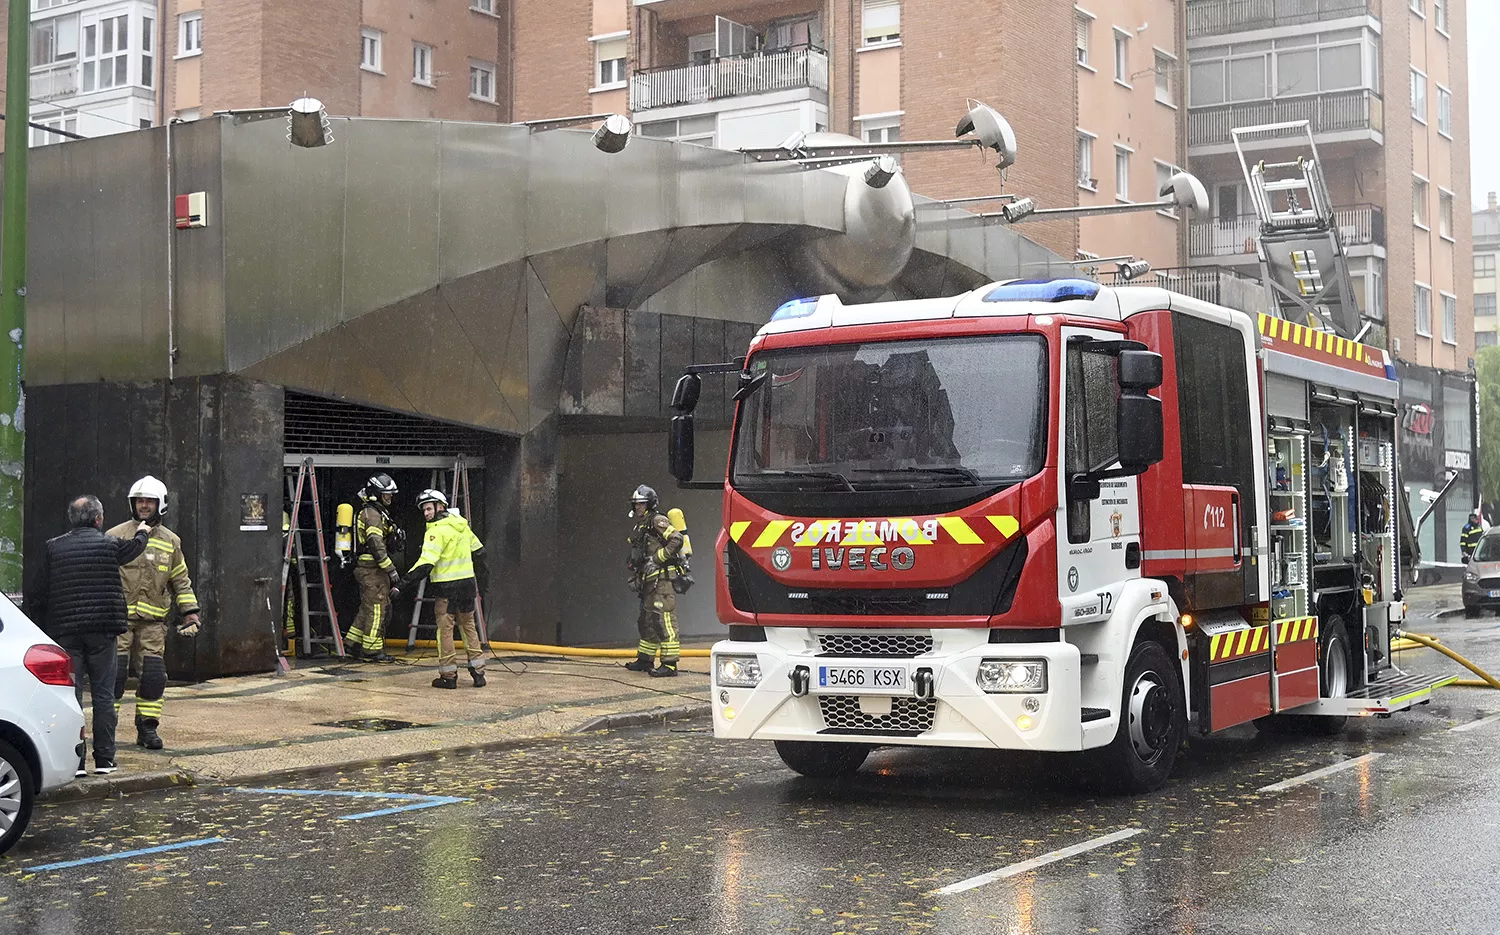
<point x="1049" y="515"/>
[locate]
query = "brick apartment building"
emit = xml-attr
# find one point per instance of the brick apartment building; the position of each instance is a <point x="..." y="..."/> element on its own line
<point x="1094" y="95"/>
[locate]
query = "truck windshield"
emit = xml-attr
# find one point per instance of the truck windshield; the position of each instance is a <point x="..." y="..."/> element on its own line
<point x="929" y="413"/>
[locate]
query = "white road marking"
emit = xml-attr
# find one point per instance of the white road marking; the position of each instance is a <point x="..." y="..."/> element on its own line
<point x="1475" y="725"/>
<point x="1035" y="862"/>
<point x="1319" y="773"/>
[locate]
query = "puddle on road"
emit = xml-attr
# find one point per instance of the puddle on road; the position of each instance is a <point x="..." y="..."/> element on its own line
<point x="371" y="723"/>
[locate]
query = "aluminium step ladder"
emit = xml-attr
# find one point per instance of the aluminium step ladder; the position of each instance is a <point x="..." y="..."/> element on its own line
<point x="317" y="626"/>
<point x="1303" y="261"/>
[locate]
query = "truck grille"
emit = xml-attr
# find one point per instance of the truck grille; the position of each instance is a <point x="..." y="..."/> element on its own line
<point x="890" y="645"/>
<point x="908" y="718"/>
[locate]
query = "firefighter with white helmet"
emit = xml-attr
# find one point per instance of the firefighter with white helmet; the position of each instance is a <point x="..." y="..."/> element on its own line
<point x="374" y="534"/>
<point x="156" y="582"/>
<point x="451" y="558"/>
<point x="655" y="559"/>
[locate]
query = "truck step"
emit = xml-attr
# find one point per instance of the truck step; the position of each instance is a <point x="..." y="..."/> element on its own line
<point x="1394" y="691"/>
<point x="1094" y="714"/>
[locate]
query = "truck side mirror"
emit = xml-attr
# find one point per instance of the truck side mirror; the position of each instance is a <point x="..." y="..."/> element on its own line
<point x="1140" y="370"/>
<point x="680" y="445"/>
<point x="1139" y="431"/>
<point x="685" y="393"/>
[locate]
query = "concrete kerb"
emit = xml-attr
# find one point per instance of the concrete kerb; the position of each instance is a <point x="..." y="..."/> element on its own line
<point x="116" y="784"/>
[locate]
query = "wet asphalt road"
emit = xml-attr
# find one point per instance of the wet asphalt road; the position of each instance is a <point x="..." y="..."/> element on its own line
<point x="668" y="829"/>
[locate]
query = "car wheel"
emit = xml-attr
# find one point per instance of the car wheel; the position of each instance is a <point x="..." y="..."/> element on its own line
<point x="1153" y="724"/>
<point x="822" y="760"/>
<point x="17" y="795"/>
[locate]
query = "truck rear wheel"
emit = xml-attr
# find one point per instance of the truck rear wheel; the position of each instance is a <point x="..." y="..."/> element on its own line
<point x="1153" y="722"/>
<point x="821" y="760"/>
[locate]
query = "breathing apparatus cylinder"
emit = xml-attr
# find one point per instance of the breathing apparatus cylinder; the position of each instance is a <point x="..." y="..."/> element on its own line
<point x="343" y="532"/>
<point x="679" y="523"/>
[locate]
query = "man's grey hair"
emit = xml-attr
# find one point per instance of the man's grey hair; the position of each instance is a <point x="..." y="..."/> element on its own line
<point x="85" y="510"/>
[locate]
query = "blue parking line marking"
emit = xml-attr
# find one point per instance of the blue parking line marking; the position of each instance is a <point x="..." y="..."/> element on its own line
<point x="418" y="801"/>
<point x="126" y="854"/>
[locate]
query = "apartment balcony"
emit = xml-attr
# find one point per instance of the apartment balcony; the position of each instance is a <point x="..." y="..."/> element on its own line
<point x="51" y="82"/>
<point x="732" y="76"/>
<point x="1232" y="240"/>
<point x="1335" y="116"/>
<point x="1220" y="285"/>
<point x="1224" y="17"/>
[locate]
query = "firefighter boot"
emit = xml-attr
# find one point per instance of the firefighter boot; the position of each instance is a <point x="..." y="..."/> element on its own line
<point x="665" y="670"/>
<point x="145" y="733"/>
<point x="446" y="681"/>
<point x="643" y="663"/>
<point x="477" y="675"/>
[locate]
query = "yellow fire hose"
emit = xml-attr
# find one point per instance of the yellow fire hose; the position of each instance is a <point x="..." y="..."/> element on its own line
<point x="1485" y="680"/>
<point x="545" y="650"/>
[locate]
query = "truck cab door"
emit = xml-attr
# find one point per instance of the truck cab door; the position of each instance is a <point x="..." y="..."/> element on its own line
<point x="1098" y="537"/>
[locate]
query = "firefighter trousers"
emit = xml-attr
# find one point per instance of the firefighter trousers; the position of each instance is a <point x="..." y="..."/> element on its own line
<point x="140" y="649"/>
<point x="368" y="630"/>
<point x="658" y="623"/>
<point x="447" y="612"/>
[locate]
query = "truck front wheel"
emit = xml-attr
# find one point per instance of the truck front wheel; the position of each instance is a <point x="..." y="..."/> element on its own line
<point x="1153" y="722"/>
<point x="821" y="760"/>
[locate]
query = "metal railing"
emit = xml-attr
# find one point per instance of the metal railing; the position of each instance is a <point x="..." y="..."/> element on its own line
<point x="54" y="81"/>
<point x="1330" y="112"/>
<point x="730" y="76"/>
<point x="1235" y="236"/>
<point x="1205" y="283"/>
<point x="1219" y="17"/>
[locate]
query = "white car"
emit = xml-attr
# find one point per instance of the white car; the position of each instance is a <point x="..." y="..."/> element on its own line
<point x="41" y="725"/>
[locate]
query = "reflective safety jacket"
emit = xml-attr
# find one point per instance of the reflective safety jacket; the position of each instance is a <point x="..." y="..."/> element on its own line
<point x="373" y="530"/>
<point x="157" y="579"/>
<point x="1469" y="536"/>
<point x="655" y="550"/>
<point x="449" y="549"/>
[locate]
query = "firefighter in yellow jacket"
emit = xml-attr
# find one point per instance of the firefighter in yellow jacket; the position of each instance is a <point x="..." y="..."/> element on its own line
<point x="374" y="533"/>
<point x="655" y="547"/>
<point x="155" y="583"/>
<point x="451" y="557"/>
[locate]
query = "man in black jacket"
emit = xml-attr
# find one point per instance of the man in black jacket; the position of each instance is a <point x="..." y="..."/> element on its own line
<point x="72" y="591"/>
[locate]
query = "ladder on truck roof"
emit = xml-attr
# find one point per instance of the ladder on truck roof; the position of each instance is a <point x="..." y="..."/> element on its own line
<point x="1301" y="249"/>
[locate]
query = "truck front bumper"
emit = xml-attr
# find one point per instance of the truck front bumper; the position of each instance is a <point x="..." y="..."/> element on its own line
<point x="958" y="713"/>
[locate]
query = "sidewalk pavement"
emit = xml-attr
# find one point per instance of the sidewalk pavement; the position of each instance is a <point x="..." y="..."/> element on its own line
<point x="251" y="728"/>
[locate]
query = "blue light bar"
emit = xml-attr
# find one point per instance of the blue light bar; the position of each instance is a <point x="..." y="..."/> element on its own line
<point x="796" y="308"/>
<point x="1043" y="290"/>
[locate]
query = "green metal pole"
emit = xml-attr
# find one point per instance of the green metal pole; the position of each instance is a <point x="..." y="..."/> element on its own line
<point x="13" y="290"/>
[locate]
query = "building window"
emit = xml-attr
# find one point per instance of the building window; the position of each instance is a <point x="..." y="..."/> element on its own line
<point x="1419" y="95"/>
<point x="1445" y="111"/>
<point x="1418" y="7"/>
<point x="482" y="6"/>
<point x="1419" y="201"/>
<point x="1086" y="162"/>
<point x="882" y="21"/>
<point x="1440" y="15"/>
<point x="148" y="51"/>
<point x="1082" y="25"/>
<point x="1484" y="266"/>
<point x="1288" y="67"/>
<point x="1122" y="57"/>
<point x="106" y="53"/>
<point x="1450" y="318"/>
<point x="1166" y="68"/>
<point x="1484" y="304"/>
<point x="482" y="81"/>
<point x="54" y="40"/>
<point x="421" y="64"/>
<point x="1445" y="214"/>
<point x="609" y="56"/>
<point x="1485" y="338"/>
<point x="881" y="130"/>
<point x="369" y="50"/>
<point x="66" y="121"/>
<point x="1424" y="311"/>
<point x="1122" y="173"/>
<point x="190" y="33"/>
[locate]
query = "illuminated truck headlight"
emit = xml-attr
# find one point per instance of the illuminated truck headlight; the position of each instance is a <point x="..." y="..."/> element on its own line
<point x="998" y="676"/>
<point x="737" y="671"/>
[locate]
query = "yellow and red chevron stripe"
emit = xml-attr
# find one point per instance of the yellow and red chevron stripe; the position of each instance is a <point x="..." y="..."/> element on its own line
<point x="1236" y="644"/>
<point x="1296" y="630"/>
<point x="912" y="531"/>
<point x="1320" y="343"/>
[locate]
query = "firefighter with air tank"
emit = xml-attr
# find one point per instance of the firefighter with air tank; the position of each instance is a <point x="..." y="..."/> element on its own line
<point x="659" y="552"/>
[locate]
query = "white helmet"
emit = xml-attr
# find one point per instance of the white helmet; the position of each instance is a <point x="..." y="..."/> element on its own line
<point x="432" y="496"/>
<point x="151" y="488"/>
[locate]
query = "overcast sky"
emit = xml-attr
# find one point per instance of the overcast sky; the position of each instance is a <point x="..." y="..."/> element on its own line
<point x="1484" y="87"/>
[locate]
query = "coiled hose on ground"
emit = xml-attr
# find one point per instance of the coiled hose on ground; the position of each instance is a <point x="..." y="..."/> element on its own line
<point x="1485" y="680"/>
